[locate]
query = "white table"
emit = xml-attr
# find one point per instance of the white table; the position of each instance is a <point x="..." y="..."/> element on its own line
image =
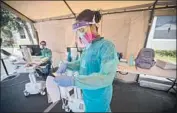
<point x="23" y="65"/>
<point x="154" y="71"/>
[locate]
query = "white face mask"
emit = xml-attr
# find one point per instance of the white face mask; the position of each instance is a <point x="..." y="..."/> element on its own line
<point x="42" y="47"/>
<point x="84" y="41"/>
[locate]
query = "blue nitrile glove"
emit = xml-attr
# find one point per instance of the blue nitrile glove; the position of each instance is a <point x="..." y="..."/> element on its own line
<point x="64" y="81"/>
<point x="62" y="68"/>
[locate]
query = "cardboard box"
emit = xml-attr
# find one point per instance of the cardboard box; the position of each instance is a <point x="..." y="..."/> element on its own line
<point x="165" y="65"/>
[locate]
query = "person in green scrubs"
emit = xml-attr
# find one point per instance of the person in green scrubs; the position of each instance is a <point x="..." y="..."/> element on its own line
<point x="45" y="52"/>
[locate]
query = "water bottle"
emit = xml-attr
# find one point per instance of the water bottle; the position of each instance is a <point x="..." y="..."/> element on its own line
<point x="131" y="60"/>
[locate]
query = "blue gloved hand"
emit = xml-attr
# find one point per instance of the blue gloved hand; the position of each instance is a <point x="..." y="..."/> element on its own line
<point x="64" y="80"/>
<point x="62" y="68"/>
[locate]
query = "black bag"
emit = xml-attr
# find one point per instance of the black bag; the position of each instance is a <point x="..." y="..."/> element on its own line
<point x="145" y="58"/>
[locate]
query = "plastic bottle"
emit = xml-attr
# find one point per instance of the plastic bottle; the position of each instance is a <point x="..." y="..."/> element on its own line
<point x="131" y="60"/>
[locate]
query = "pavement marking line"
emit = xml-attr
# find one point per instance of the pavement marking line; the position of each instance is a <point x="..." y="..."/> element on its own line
<point x="50" y="107"/>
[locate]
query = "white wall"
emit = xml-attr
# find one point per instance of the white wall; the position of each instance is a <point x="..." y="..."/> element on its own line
<point x="163" y="44"/>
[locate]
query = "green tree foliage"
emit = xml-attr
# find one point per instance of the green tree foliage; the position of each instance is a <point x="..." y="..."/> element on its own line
<point x="9" y="23"/>
<point x="171" y="53"/>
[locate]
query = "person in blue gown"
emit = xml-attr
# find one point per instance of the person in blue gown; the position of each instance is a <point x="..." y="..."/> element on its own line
<point x="97" y="65"/>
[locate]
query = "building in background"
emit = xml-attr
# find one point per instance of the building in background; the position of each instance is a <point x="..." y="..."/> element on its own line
<point x="22" y="37"/>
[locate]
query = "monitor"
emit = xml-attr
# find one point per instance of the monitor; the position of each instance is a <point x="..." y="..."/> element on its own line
<point x="35" y="49"/>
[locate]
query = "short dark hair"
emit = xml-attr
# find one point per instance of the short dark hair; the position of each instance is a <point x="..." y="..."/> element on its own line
<point x="43" y="42"/>
<point x="87" y="15"/>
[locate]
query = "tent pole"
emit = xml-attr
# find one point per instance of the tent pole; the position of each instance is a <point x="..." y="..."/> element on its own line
<point x="150" y="22"/>
<point x="5" y="68"/>
<point x="65" y="18"/>
<point x="169" y="7"/>
<point x="166" y="7"/>
<point x="70" y="8"/>
<point x="136" y="7"/>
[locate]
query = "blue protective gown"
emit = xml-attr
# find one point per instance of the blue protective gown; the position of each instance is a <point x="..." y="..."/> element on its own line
<point x="97" y="69"/>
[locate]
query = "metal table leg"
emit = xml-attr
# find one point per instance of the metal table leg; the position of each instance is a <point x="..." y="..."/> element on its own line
<point x="137" y="79"/>
<point x="172" y="86"/>
<point x="4" y="67"/>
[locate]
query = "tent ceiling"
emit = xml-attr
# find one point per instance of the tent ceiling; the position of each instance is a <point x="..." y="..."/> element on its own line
<point x="42" y="10"/>
<point x="37" y="10"/>
<point x="78" y="6"/>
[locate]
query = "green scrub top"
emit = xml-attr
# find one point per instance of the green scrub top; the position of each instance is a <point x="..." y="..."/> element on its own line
<point x="46" y="53"/>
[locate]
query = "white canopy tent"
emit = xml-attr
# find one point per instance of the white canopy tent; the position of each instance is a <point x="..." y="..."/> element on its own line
<point x="46" y="10"/>
<point x="125" y="23"/>
<point x="37" y="10"/>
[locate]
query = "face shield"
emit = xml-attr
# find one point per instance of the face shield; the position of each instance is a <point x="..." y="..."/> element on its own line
<point x="83" y="32"/>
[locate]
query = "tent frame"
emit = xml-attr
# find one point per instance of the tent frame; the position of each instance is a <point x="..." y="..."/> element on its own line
<point x="70" y="8"/>
<point x="150" y="23"/>
<point x="151" y="7"/>
<point x="144" y="7"/>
